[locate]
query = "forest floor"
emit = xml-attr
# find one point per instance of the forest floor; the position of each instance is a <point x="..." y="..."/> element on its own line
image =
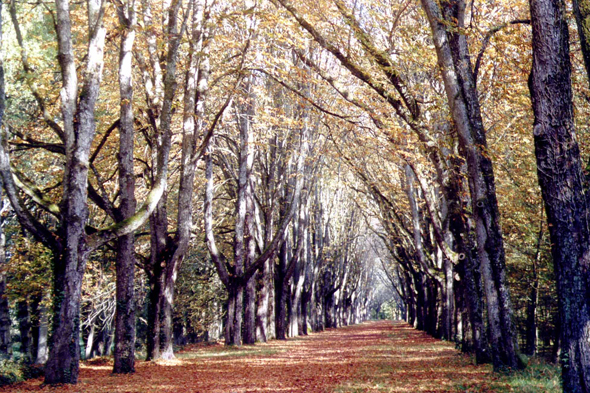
<point x="371" y="357"/>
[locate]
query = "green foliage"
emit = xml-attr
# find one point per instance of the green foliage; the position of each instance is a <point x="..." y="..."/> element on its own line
<point x="199" y="294"/>
<point x="10" y="372"/>
<point x="388" y="310"/>
<point x="14" y="371"/>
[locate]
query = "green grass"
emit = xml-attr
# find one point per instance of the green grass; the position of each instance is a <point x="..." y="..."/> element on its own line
<point x="538" y="377"/>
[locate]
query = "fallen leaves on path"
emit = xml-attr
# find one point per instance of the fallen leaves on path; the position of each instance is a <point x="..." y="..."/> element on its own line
<point x="371" y="357"/>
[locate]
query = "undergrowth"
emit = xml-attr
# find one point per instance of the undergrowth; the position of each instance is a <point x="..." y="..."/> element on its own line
<point x="15" y="371"/>
<point x="538" y="377"/>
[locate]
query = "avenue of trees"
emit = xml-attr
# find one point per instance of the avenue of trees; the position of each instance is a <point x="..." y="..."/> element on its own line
<point x="186" y="170"/>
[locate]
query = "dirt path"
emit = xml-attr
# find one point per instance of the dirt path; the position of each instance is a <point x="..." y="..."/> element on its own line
<point x="371" y="357"/>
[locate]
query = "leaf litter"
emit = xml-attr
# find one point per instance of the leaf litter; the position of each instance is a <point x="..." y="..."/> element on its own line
<point x="377" y="356"/>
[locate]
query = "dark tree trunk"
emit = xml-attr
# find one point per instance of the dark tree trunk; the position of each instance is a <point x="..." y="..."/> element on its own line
<point x="582" y="13"/>
<point x="250" y="312"/>
<point x="235" y="315"/>
<point x="64" y="356"/>
<point x="264" y="303"/>
<point x="281" y="295"/>
<point x="468" y="269"/>
<point x="432" y="310"/>
<point x="420" y="302"/>
<point x="454" y="59"/>
<point x="561" y="178"/>
<point x="531" y="333"/>
<point x="79" y="129"/>
<point x="305" y="300"/>
<point x="250" y="288"/>
<point x="4" y="319"/>
<point x="5" y="343"/>
<point x="24" y="328"/>
<point x="531" y="321"/>
<point x="36" y="317"/>
<point x="124" y="361"/>
<point x="290" y="310"/>
<point x="154" y="304"/>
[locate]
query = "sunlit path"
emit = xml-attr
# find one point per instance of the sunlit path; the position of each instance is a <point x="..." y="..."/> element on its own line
<point x="371" y="357"/>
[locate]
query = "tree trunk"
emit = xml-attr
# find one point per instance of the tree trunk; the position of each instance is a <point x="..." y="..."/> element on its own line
<point x="531" y="324"/>
<point x="196" y="89"/>
<point x="305" y="300"/>
<point x="250" y="288"/>
<point x="167" y="325"/>
<point x="298" y="281"/>
<point x="69" y="265"/>
<point x="40" y="337"/>
<point x="467" y="268"/>
<point x="24" y="328"/>
<point x="250" y="312"/>
<point x="154" y="304"/>
<point x="561" y="178"/>
<point x="281" y="294"/>
<point x="582" y="14"/>
<point x="124" y="359"/>
<point x="236" y="301"/>
<point x="264" y="301"/>
<point x="64" y="356"/>
<point x="89" y="342"/>
<point x="35" y="321"/>
<point x="453" y="57"/>
<point x="5" y="343"/>
<point x="449" y="299"/>
<point x="531" y="320"/>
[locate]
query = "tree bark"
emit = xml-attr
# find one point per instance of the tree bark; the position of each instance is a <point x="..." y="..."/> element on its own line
<point x="162" y="246"/>
<point x="5" y="342"/>
<point x="250" y="287"/>
<point x="24" y="328"/>
<point x="453" y="57"/>
<point x="531" y="313"/>
<point x="196" y="91"/>
<point x="40" y="335"/>
<point x="124" y="359"/>
<point x="468" y="269"/>
<point x="69" y="265"/>
<point x="561" y="179"/>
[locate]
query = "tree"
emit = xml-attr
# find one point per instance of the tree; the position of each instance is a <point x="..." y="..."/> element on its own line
<point x="453" y="55"/>
<point x="562" y="184"/>
<point x="125" y="265"/>
<point x="72" y="242"/>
